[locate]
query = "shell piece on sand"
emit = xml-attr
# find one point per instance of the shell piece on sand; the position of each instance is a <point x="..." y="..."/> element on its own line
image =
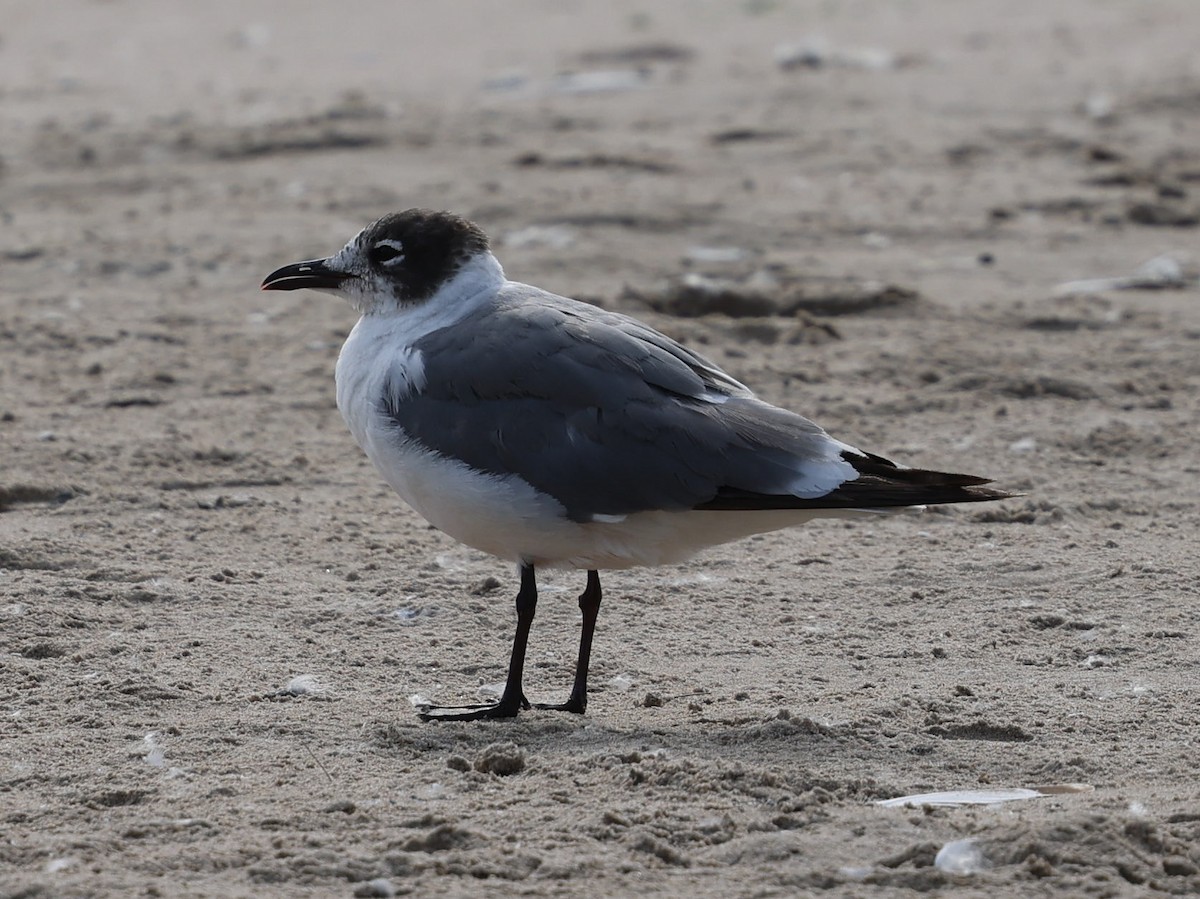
<point x="955" y="798"/>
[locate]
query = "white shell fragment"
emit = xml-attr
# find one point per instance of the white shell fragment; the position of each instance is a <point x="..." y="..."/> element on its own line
<point x="1159" y="273"/>
<point x="956" y="798"/>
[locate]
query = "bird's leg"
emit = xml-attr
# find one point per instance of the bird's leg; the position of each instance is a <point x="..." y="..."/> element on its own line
<point x="513" y="699"/>
<point x="514" y="696"/>
<point x="589" y="605"/>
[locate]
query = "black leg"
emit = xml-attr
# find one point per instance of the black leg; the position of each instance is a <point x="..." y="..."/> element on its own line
<point x="589" y="605"/>
<point x="513" y="699"/>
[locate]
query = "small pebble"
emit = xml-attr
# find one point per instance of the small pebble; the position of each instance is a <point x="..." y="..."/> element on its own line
<point x="380" y="886"/>
<point x="621" y="683"/>
<point x="960" y="857"/>
<point x="487" y="585"/>
<point x="303" y="685"/>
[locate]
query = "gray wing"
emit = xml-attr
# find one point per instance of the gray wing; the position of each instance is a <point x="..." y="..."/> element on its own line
<point x="605" y="414"/>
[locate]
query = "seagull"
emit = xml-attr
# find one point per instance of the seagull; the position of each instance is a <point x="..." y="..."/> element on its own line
<point x="555" y="434"/>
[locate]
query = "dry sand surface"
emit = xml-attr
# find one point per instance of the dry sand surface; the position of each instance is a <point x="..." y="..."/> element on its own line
<point x="213" y="613"/>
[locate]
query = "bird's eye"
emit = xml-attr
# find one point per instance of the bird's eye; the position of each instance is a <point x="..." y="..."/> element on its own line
<point x="386" y="252"/>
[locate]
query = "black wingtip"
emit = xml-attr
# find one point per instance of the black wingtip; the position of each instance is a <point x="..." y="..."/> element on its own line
<point x="881" y="484"/>
<point x="927" y="487"/>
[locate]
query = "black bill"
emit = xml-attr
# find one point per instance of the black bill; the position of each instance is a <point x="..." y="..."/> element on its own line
<point x="314" y="274"/>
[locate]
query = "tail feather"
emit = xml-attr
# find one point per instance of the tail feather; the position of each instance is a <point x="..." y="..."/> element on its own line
<point x="880" y="484"/>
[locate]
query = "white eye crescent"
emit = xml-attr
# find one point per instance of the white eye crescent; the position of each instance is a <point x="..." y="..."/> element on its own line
<point x="387" y="252"/>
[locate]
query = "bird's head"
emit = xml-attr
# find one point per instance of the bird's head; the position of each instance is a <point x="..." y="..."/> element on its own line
<point x="401" y="260"/>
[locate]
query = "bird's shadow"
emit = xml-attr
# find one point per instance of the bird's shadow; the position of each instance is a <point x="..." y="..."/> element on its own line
<point x="815" y="753"/>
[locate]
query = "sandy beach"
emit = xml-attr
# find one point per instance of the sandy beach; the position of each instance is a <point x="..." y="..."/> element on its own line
<point x="956" y="236"/>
